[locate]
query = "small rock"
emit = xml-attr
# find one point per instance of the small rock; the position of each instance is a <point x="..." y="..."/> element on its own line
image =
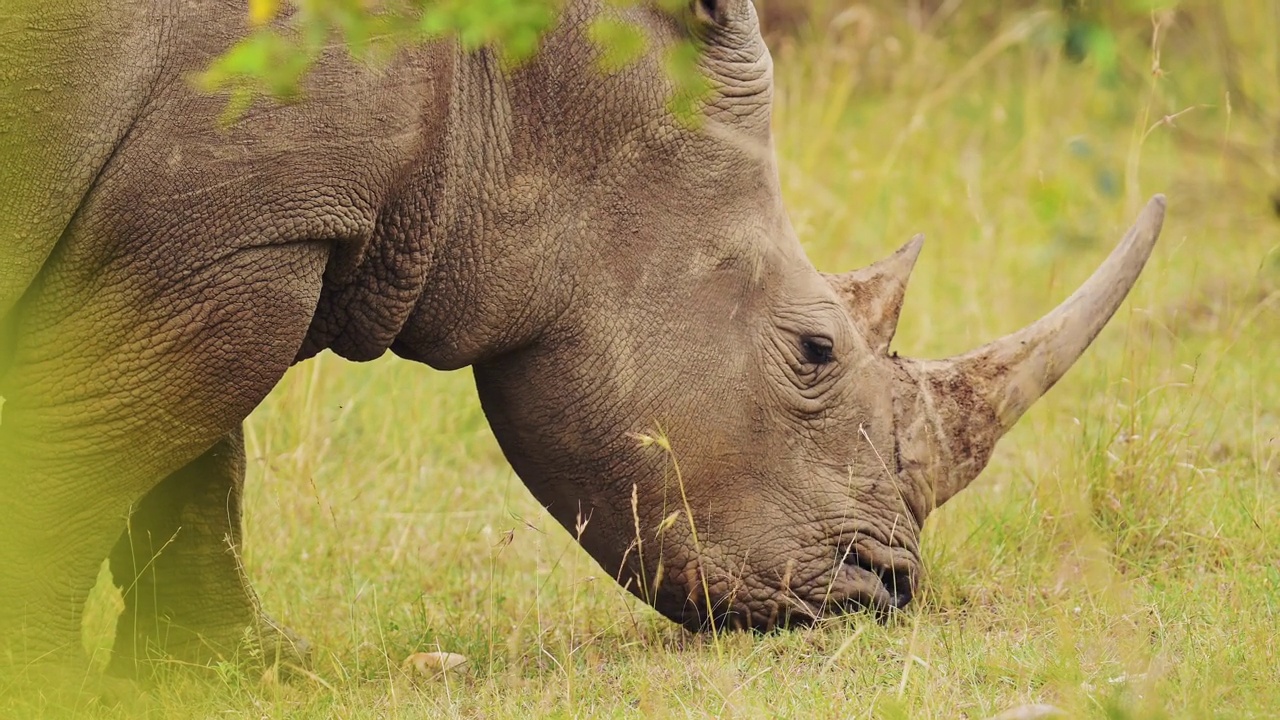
<point x="1030" y="712"/>
<point x="432" y="664"/>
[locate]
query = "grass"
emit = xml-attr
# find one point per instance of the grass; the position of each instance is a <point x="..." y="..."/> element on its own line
<point x="1120" y="557"/>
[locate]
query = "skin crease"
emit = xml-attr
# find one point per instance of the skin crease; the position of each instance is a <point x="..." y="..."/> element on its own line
<point x="607" y="270"/>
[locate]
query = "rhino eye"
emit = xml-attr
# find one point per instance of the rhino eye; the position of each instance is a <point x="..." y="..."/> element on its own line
<point x="817" y="350"/>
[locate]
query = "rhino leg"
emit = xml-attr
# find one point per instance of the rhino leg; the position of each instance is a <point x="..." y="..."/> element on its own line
<point x="122" y="372"/>
<point x="178" y="567"/>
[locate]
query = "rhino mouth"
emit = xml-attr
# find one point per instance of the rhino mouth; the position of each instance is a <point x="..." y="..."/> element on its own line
<point x="867" y="577"/>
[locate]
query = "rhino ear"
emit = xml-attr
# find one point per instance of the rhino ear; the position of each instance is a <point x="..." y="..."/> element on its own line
<point x="715" y="12"/>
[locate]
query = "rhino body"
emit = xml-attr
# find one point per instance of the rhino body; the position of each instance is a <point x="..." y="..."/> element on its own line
<point x="606" y="268"/>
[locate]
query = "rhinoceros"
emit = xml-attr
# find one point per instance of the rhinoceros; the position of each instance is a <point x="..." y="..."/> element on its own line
<point x="625" y="284"/>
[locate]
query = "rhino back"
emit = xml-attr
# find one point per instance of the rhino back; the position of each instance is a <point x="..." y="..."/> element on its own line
<point x="73" y="76"/>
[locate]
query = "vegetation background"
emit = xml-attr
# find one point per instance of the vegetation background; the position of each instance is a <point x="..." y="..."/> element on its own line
<point x="1120" y="557"/>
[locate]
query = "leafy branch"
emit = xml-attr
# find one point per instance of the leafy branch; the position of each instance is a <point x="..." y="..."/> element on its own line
<point x="286" y="39"/>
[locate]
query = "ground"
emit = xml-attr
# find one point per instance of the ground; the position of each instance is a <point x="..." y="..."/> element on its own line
<point x="1119" y="558"/>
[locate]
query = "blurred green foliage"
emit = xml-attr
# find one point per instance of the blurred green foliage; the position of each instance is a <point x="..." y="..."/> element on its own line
<point x="1090" y="28"/>
<point x="286" y="39"/>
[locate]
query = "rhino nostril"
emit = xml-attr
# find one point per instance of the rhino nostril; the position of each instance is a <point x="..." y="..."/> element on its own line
<point x="899" y="585"/>
<point x="852" y="558"/>
<point x="897" y="582"/>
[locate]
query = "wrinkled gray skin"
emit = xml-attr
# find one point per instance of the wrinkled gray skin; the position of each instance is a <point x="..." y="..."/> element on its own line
<point x="606" y="269"/>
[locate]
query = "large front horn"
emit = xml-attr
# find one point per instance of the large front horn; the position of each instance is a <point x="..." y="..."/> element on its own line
<point x="973" y="399"/>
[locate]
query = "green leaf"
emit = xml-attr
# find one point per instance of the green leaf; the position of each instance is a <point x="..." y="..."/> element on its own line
<point x="620" y="43"/>
<point x="692" y="88"/>
<point x="273" y="62"/>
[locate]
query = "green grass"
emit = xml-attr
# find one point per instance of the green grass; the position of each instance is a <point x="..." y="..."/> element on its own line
<point x="1120" y="557"/>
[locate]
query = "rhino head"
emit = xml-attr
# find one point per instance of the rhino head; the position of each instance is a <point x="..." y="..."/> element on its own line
<point x="720" y="424"/>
